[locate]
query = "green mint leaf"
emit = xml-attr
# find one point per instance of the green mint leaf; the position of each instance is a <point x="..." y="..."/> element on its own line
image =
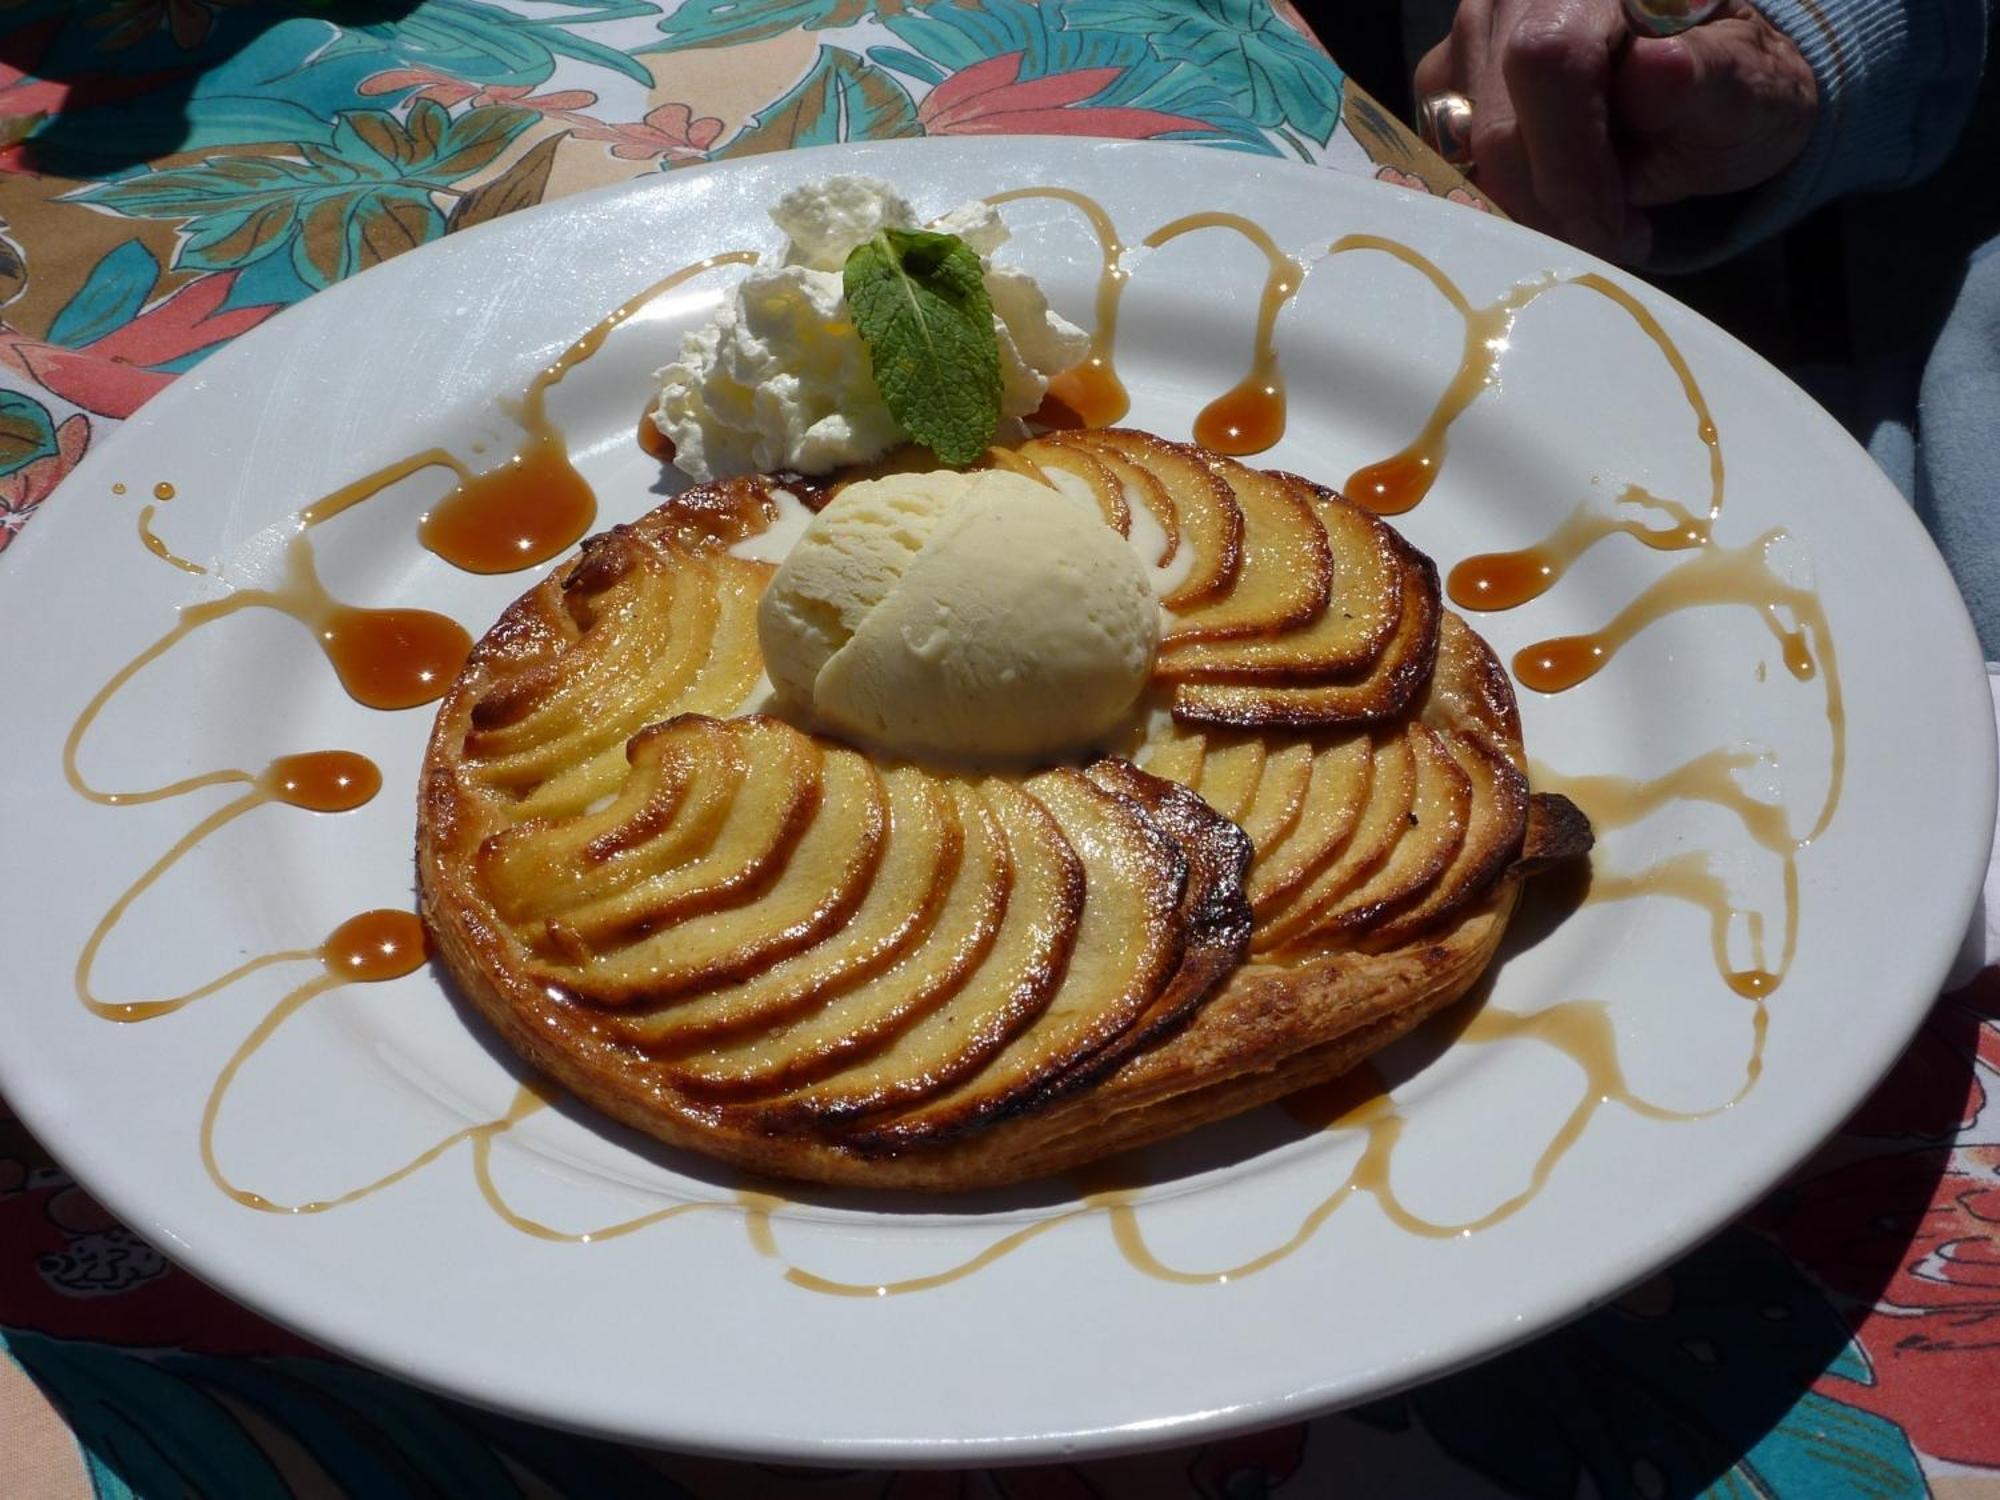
<point x="919" y="302"/>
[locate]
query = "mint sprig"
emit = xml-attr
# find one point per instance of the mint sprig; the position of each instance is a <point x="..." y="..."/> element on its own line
<point x="919" y="303"/>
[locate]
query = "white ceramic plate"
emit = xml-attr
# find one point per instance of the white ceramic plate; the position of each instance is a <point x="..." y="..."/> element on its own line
<point x="689" y="1333"/>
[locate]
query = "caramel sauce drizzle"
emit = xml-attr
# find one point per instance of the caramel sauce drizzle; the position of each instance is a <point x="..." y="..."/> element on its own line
<point x="1619" y="801"/>
<point x="1505" y="580"/>
<point x="1250" y="416"/>
<point x="322" y="781"/>
<point x="160" y="549"/>
<point x="1089" y="394"/>
<point x="1579" y="1029"/>
<point x="385" y="658"/>
<point x="1398" y="483"/>
<point x="535" y="505"/>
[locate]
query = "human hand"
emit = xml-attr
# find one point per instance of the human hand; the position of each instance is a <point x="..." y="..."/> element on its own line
<point x="1579" y="125"/>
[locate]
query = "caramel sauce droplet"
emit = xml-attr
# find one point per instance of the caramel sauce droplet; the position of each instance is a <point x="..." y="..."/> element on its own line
<point x="118" y="489"/>
<point x="1556" y="665"/>
<point x="1089" y="394"/>
<point x="1394" y="485"/>
<point x="653" y="442"/>
<point x="163" y="491"/>
<point x="524" y="512"/>
<point x="375" y="946"/>
<point x="1501" y="580"/>
<point x="327" y="781"/>
<point x="1248" y="419"/>
<point x="393" y="658"/>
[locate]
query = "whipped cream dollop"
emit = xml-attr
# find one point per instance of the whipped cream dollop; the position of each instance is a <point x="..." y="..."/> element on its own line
<point x="780" y="378"/>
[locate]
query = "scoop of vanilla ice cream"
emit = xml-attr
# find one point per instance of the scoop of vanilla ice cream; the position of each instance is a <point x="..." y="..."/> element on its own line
<point x="976" y="616"/>
<point x="780" y="379"/>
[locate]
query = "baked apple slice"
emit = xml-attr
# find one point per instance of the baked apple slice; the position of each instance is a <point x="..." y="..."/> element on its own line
<point x="1230" y="770"/>
<point x="1130" y="940"/>
<point x="1005" y="992"/>
<point x="1281" y="794"/>
<point x="631" y="630"/>
<point x="1383" y="692"/>
<point x="1392" y="790"/>
<point x="1141" y="489"/>
<point x="661" y="880"/>
<point x="1364" y="604"/>
<point x="858" y="1021"/>
<point x="1176" y="756"/>
<point x="902" y="906"/>
<point x="1335" y="796"/>
<point x="1435" y="830"/>
<point x="1286" y="570"/>
<point x="1496" y="820"/>
<point x="680" y="790"/>
<point x="1209" y="521"/>
<point x="1082" y="476"/>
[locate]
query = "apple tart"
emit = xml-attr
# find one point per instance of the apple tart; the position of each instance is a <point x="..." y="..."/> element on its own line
<point x="812" y="962"/>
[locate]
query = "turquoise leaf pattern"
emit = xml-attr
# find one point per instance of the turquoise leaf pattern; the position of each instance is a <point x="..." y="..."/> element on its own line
<point x="488" y="44"/>
<point x="113" y="295"/>
<point x="335" y="209"/>
<point x="175" y="1424"/>
<point x="727" y="23"/>
<point x="1679" y="1389"/>
<point x="1275" y="75"/>
<point x="953" y="37"/>
<point x="843" y="98"/>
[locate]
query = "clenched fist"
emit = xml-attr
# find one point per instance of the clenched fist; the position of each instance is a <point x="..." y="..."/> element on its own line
<point x="1579" y="125"/>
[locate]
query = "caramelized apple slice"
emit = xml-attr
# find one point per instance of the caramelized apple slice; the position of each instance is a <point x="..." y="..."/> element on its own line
<point x="719" y="685"/>
<point x="1382" y="693"/>
<point x="1286" y="570"/>
<point x="1004" y="994"/>
<point x="1142" y="490"/>
<point x="1229" y="773"/>
<point x="1493" y="830"/>
<point x="663" y="880"/>
<point x="1177" y="756"/>
<point x="1469" y="692"/>
<point x="712" y="928"/>
<point x="1364" y="604"/>
<point x="1209" y="519"/>
<point x="1336" y="793"/>
<point x="860" y="1019"/>
<point x="1392" y="789"/>
<point x="1083" y="477"/>
<point x="683" y="782"/>
<point x="902" y="905"/>
<point x="1434" y="832"/>
<point x="1281" y="794"/>
<point x="1129" y="941"/>
<point x="639" y="640"/>
<point x="1213" y="912"/>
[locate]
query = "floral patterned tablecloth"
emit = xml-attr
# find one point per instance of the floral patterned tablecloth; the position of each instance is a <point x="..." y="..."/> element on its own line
<point x="172" y="172"/>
